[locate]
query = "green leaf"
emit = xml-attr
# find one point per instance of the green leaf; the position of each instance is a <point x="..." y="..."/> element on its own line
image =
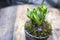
<point x="28" y="12"/>
<point x="36" y="19"/>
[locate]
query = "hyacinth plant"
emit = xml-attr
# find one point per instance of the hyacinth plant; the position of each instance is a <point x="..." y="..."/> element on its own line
<point x="38" y="15"/>
<point x="37" y="25"/>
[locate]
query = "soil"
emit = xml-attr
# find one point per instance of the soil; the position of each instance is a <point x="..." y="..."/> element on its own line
<point x="44" y="30"/>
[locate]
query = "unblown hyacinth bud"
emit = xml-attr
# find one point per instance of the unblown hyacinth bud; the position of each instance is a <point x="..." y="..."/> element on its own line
<point x="39" y="29"/>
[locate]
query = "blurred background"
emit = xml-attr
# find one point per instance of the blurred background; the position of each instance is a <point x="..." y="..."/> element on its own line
<point x="9" y="14"/>
<point x="50" y="3"/>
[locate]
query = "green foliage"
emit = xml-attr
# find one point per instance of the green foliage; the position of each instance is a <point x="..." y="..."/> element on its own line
<point x="38" y="15"/>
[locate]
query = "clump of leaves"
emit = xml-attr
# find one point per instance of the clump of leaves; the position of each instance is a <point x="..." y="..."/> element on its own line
<point x="38" y="15"/>
<point x="37" y="25"/>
